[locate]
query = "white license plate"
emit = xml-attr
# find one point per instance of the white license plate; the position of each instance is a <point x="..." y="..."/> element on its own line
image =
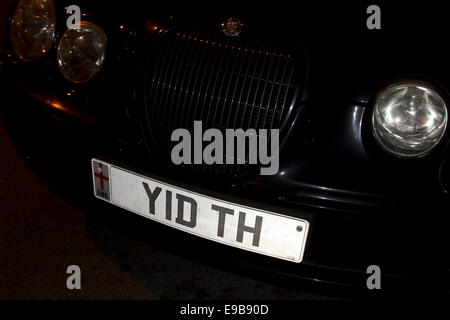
<point x="252" y="229"/>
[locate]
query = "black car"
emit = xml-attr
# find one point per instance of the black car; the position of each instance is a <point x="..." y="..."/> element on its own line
<point x="359" y="116"/>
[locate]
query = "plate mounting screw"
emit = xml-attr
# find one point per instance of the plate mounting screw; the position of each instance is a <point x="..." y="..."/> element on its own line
<point x="299" y="228"/>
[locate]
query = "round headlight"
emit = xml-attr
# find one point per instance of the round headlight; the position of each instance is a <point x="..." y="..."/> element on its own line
<point x="409" y="119"/>
<point x="33" y="29"/>
<point x="81" y="52"/>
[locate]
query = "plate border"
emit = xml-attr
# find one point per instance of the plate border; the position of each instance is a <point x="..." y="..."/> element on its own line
<point x="306" y="222"/>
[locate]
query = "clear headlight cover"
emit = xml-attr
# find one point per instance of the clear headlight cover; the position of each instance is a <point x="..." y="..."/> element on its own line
<point x="81" y="52"/>
<point x="32" y="29"/>
<point x="409" y="119"/>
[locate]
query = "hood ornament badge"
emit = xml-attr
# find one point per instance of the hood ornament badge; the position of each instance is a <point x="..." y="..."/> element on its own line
<point x="232" y="27"/>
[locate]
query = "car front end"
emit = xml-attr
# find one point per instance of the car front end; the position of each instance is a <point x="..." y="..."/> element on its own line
<point x="361" y="180"/>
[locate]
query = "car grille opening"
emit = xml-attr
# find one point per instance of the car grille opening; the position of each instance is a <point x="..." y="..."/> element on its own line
<point x="226" y="83"/>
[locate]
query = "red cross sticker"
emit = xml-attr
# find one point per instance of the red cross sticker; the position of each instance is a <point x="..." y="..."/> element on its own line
<point x="100" y="175"/>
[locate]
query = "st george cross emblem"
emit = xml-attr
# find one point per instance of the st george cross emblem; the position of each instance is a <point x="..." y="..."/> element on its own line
<point x="101" y="180"/>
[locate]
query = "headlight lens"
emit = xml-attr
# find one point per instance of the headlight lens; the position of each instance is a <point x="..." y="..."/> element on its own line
<point x="81" y="52"/>
<point x="409" y="119"/>
<point x="33" y="29"/>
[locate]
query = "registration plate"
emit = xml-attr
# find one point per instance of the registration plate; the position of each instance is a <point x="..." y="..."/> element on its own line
<point x="268" y="233"/>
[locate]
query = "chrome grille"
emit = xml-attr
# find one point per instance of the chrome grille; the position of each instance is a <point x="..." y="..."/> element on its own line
<point x="225" y="83"/>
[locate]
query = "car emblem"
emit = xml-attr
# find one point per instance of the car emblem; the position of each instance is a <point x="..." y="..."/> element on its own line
<point x="232" y="27"/>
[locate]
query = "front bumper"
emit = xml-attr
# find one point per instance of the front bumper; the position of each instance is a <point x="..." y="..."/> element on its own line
<point x="348" y="231"/>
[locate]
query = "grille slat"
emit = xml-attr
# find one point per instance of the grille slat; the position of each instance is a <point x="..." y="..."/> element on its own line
<point x="280" y="88"/>
<point x="253" y="77"/>
<point x="226" y="83"/>
<point x="263" y="95"/>
<point x="194" y="64"/>
<point x="220" y="75"/>
<point x="169" y="71"/>
<point x="154" y="89"/>
<point x="273" y="84"/>
<point x="207" y="72"/>
<point x="225" y="106"/>
<point x="234" y="105"/>
<point x="280" y="119"/>
<point x="211" y="95"/>
<point x="245" y="80"/>
<point x="200" y="66"/>
<point x="178" y="83"/>
<point x="251" y="120"/>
